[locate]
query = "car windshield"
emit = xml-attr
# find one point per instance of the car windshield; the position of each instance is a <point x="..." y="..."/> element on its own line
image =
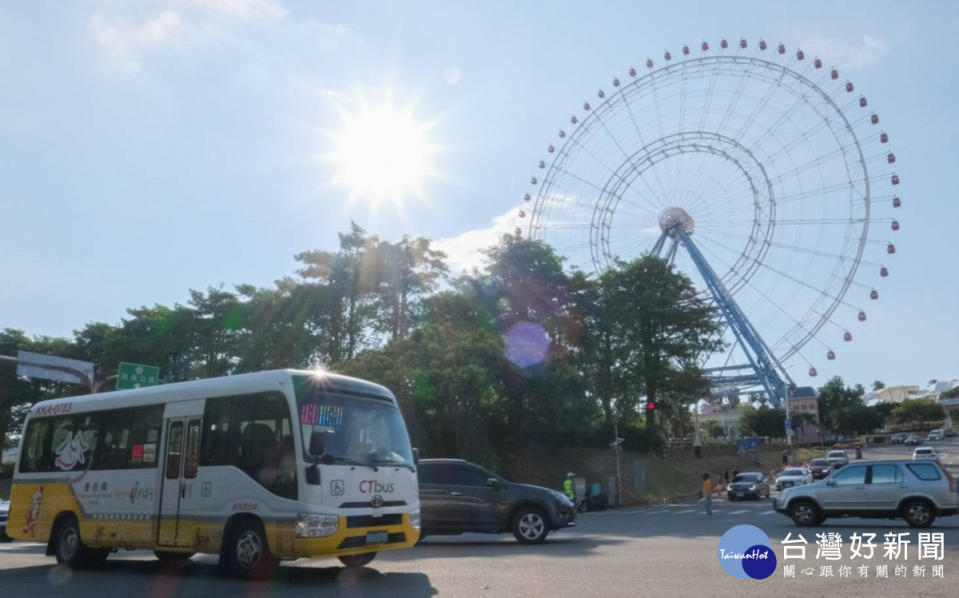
<point x="837" y="454"/>
<point x="747" y="477"/>
<point x="793" y="472"/>
<point x="819" y="462"/>
<point x="360" y="430"/>
<point x="923" y="451"/>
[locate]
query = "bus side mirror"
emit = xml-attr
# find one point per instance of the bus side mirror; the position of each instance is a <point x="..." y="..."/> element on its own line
<point x="317" y="443"/>
<point x="416" y="456"/>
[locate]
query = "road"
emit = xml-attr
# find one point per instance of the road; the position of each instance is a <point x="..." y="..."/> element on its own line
<point x="667" y="550"/>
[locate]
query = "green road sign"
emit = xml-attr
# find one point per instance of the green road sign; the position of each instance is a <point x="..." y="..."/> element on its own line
<point x="136" y="375"/>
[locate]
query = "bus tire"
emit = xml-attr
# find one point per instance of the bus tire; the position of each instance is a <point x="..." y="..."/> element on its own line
<point x="67" y="546"/>
<point x="247" y="553"/>
<point x="355" y="561"/>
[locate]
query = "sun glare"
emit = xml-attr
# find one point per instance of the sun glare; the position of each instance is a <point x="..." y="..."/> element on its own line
<point x="381" y="154"/>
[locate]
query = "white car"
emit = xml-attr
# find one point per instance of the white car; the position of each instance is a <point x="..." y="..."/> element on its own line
<point x="837" y="458"/>
<point x="934" y="436"/>
<point x="793" y="476"/>
<point x="924" y="452"/>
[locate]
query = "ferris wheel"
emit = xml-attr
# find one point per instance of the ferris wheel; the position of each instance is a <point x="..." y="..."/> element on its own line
<point x="757" y="171"/>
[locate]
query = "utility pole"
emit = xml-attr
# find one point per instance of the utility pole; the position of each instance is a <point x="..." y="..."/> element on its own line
<point x="617" y="449"/>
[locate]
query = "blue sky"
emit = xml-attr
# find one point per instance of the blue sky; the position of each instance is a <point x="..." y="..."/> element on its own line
<point x="147" y="148"/>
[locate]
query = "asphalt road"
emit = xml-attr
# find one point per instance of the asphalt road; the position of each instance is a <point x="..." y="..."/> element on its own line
<point x="668" y="550"/>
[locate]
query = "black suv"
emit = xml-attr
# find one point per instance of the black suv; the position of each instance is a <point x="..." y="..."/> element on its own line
<point x="457" y="496"/>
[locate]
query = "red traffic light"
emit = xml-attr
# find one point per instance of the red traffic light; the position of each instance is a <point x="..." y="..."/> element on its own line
<point x="650" y="405"/>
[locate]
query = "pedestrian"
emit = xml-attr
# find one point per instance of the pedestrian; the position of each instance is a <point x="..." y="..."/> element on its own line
<point x="726" y="477"/>
<point x="568" y="486"/>
<point x="707" y="493"/>
<point x="785" y="457"/>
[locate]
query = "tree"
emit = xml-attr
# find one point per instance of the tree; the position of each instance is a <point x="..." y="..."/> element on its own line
<point x="856" y="419"/>
<point x="878" y="385"/>
<point x="835" y="396"/>
<point x="657" y="322"/>
<point x="764" y="421"/>
<point x="917" y="411"/>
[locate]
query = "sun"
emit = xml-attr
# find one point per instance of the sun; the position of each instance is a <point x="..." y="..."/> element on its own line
<point x="381" y="153"/>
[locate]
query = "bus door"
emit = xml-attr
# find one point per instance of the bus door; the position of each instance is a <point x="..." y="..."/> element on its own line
<point x="179" y="469"/>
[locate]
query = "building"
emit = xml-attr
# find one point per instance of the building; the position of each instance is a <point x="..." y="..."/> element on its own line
<point x="805" y="400"/>
<point x="897" y="394"/>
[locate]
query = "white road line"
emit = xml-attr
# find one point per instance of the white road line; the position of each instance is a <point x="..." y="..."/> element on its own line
<point x="686" y="511"/>
<point x="767" y="512"/>
<point x="658" y="512"/>
<point x="739" y="512"/>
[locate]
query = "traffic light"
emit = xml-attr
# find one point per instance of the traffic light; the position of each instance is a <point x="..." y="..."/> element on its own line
<point x="651" y="406"/>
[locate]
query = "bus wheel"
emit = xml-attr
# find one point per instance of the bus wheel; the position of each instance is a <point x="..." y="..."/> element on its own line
<point x="171" y="557"/>
<point x="67" y="545"/>
<point x="355" y="561"/>
<point x="248" y="555"/>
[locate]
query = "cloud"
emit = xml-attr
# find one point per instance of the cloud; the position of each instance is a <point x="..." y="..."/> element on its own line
<point x="464" y="251"/>
<point x="244" y="9"/>
<point x="124" y="42"/>
<point x="846" y="52"/>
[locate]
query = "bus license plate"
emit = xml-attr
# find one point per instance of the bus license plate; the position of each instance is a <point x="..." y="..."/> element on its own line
<point x="377" y="537"/>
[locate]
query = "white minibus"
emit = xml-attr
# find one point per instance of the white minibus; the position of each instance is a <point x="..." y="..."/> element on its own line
<point x="253" y="467"/>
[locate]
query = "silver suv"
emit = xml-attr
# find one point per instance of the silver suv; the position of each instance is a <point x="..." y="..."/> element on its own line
<point x="917" y="491"/>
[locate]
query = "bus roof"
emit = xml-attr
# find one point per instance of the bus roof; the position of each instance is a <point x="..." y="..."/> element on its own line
<point x="205" y="388"/>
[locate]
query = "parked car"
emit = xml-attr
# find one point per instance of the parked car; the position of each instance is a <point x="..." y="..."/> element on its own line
<point x="837" y="459"/>
<point x="457" y="496"/>
<point x="819" y="468"/>
<point x="924" y="452"/>
<point x="793" y="476"/>
<point x="4" y="512"/>
<point x="751" y="484"/>
<point x="919" y="492"/>
<point x="949" y="433"/>
<point x="912" y="440"/>
<point x="934" y="436"/>
<point x="898" y="437"/>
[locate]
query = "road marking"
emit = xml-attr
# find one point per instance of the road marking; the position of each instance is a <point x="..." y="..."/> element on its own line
<point x="686" y="511"/>
<point x="658" y="512"/>
<point x="739" y="512"/>
<point x="768" y="512"/>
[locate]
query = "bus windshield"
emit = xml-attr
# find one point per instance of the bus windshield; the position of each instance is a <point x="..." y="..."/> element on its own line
<point x="358" y="430"/>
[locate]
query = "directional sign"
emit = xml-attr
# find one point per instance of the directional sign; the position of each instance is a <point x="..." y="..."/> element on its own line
<point x="136" y="375"/>
<point x="789" y="425"/>
<point x="51" y="367"/>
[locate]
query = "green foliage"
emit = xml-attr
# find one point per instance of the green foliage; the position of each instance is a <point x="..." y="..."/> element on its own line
<point x="764" y="421"/>
<point x="950" y="394"/>
<point x="917" y="411"/>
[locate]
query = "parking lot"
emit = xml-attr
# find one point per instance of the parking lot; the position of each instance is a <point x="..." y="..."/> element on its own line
<point x="666" y="550"/>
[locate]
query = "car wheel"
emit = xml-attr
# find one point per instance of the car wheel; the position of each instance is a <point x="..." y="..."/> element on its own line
<point x="804" y="513"/>
<point x="247" y="554"/>
<point x="355" y="561"/>
<point x="171" y="557"/>
<point x="918" y="513"/>
<point x="530" y="526"/>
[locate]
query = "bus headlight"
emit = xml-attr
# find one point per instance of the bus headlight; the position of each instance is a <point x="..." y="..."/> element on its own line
<point x="415" y="519"/>
<point x="309" y="525"/>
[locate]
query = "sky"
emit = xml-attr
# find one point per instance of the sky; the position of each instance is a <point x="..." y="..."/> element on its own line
<point x="148" y="148"/>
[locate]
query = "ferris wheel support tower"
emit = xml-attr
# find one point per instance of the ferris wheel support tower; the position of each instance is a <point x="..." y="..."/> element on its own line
<point x="768" y="372"/>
